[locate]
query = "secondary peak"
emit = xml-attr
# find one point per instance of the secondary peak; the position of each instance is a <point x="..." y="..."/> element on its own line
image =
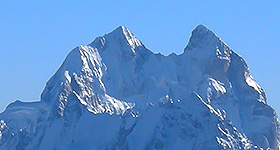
<point x="201" y="37"/>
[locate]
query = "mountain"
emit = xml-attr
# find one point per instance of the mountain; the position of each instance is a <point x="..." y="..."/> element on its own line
<point x="116" y="94"/>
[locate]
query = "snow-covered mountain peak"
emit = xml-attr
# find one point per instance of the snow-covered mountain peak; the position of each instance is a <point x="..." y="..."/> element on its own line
<point x="116" y="94"/>
<point x="79" y="82"/>
<point x="212" y="55"/>
<point x="121" y="40"/>
<point x="201" y="30"/>
<point x="202" y="37"/>
<point x="122" y="31"/>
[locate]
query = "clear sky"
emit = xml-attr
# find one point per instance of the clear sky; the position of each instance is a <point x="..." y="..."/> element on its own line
<point x="36" y="36"/>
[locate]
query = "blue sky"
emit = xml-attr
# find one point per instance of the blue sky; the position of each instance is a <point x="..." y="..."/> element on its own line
<point x="36" y="36"/>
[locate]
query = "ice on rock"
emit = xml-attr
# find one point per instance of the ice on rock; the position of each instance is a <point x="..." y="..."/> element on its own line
<point x="116" y="94"/>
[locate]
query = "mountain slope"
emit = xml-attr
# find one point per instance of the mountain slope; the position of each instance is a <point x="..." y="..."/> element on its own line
<point x="116" y="94"/>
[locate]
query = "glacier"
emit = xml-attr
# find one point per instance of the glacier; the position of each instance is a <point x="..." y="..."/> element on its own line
<point x="115" y="93"/>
